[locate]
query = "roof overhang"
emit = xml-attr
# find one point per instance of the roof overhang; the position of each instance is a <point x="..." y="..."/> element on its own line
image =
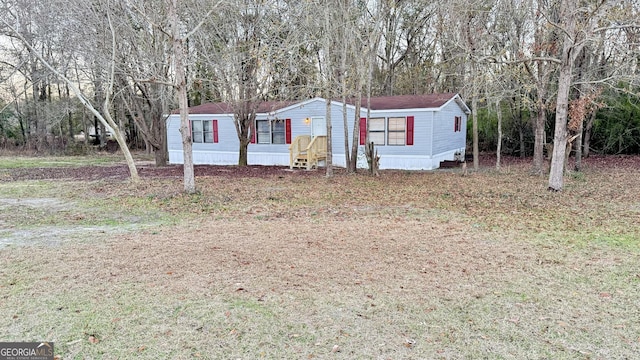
<point x="462" y="104"/>
<point x="298" y="105"/>
<point x="303" y="104"/>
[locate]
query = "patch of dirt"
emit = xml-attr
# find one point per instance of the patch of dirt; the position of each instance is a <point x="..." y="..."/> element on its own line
<point x="41" y="203"/>
<point x="51" y="235"/>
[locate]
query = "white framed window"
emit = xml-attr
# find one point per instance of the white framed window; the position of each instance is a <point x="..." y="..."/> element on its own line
<point x="396" y="133"/>
<point x="207" y="131"/>
<point x="377" y="130"/>
<point x="263" y="131"/>
<point x="457" y="124"/>
<point x="278" y="132"/>
<point x="202" y="131"/>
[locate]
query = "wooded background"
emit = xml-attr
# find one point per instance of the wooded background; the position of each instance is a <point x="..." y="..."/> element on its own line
<point x="533" y="71"/>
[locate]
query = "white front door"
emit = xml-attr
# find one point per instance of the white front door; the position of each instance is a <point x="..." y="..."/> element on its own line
<point x="318" y="126"/>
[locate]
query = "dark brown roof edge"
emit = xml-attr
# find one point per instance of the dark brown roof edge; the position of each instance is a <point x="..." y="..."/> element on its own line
<point x="398" y="102"/>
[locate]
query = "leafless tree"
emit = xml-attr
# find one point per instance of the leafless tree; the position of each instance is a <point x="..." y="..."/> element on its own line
<point x="520" y="55"/>
<point x="9" y="21"/>
<point x="579" y="21"/>
<point x="242" y="49"/>
<point x="144" y="51"/>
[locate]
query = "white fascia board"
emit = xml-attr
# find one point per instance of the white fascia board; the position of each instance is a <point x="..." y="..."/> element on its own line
<point x="349" y="106"/>
<point x="404" y="110"/>
<point x="209" y="116"/>
<point x="306" y="102"/>
<point x="460" y="103"/>
<point x="202" y="116"/>
<point x="290" y="107"/>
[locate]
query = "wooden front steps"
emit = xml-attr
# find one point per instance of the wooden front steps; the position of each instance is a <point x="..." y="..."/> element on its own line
<point x="306" y="152"/>
<point x="300" y="162"/>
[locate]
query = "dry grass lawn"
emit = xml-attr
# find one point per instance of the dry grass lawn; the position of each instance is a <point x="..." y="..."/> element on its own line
<point x="411" y="265"/>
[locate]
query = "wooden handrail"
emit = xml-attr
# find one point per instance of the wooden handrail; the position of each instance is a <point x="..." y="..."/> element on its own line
<point x="315" y="149"/>
<point x="297" y="147"/>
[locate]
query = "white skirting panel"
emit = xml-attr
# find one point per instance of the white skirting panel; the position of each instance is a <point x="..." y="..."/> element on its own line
<point x="229" y="158"/>
<point x="400" y="162"/>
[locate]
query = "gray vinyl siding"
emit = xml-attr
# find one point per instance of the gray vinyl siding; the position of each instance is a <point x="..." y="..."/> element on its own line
<point x="227" y="137"/>
<point x="445" y="139"/>
<point x="421" y="131"/>
<point x="229" y="143"/>
<point x="434" y="138"/>
<point x="317" y="108"/>
<point x="203" y="153"/>
<point x="410" y="157"/>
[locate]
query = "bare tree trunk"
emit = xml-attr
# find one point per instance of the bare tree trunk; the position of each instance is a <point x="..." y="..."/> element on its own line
<point x="372" y="158"/>
<point x="345" y="128"/>
<point x="355" y="139"/>
<point x="85" y="128"/>
<point x="569" y="53"/>
<point x="538" y="147"/>
<point x="329" y="161"/>
<point x="107" y="107"/>
<point x="521" y="126"/>
<point x="34" y="123"/>
<point x="245" y="122"/>
<point x="243" y="155"/>
<point x="343" y="83"/>
<point x="161" y="153"/>
<point x="523" y="149"/>
<point x="578" y="146"/>
<point x="544" y="40"/>
<point x="583" y="64"/>
<point x="587" y="135"/>
<point x="181" y="87"/>
<point x="474" y="116"/>
<point x="85" y="123"/>
<point x="21" y="122"/>
<point x="67" y="95"/>
<point x="345" y="122"/>
<point x="601" y="65"/>
<point x="372" y="44"/>
<point x="556" y="173"/>
<point x="98" y="98"/>
<point x="499" y="147"/>
<point x="26" y="121"/>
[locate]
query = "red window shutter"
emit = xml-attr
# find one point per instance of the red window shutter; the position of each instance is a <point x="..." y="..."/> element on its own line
<point x="410" y="120"/>
<point x="254" y="132"/>
<point x="287" y="131"/>
<point x="215" y="130"/>
<point x="363" y="130"/>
